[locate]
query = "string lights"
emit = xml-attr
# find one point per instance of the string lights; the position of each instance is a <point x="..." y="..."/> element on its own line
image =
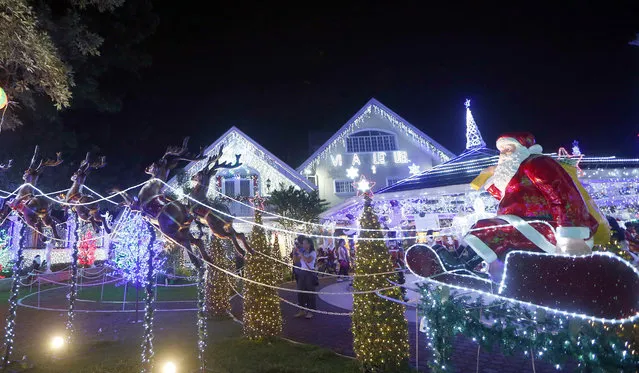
<point x="10" y="333"/>
<point x="262" y="316"/>
<point x="74" y="278"/>
<point x="202" y="335"/>
<point x="380" y="330"/>
<point x="218" y="288"/>
<point x="151" y="271"/>
<point x="374" y="108"/>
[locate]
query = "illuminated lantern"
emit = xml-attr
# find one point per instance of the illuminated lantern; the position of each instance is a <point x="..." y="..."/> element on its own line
<point x="3" y="99"/>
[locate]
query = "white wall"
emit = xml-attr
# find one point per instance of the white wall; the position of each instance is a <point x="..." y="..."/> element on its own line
<point x="326" y="173"/>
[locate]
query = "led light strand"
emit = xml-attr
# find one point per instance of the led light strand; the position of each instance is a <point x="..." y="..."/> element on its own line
<point x="524" y="303"/>
<point x="201" y="317"/>
<point x="74" y="280"/>
<point x="10" y="334"/>
<point x="147" y="344"/>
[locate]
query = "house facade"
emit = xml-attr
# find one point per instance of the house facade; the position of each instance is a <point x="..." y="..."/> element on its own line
<point x="376" y="143"/>
<point x="260" y="173"/>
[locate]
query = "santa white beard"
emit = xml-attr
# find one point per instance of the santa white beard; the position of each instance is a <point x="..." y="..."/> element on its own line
<point x="507" y="167"/>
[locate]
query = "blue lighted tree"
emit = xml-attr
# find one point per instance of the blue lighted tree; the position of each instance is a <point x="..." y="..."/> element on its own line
<point x="130" y="250"/>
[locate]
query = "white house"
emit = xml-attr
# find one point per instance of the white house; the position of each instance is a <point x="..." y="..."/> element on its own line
<point x="376" y="143"/>
<point x="260" y="173"/>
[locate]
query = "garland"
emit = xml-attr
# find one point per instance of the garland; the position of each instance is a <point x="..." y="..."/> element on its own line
<point x="515" y="329"/>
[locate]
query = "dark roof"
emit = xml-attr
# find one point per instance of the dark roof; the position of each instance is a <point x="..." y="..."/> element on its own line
<point x="459" y="170"/>
<point x="465" y="167"/>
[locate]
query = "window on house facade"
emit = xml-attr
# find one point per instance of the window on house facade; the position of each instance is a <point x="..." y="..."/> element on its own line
<point x="371" y="141"/>
<point x="344" y="187"/>
<point x="312" y="179"/>
<point x="234" y="187"/>
<point x="392" y="180"/>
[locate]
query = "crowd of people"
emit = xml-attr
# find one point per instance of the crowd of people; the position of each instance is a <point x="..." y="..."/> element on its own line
<point x="339" y="260"/>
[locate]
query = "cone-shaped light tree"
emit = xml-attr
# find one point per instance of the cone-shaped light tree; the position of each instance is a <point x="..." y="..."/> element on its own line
<point x="218" y="286"/>
<point x="262" y="313"/>
<point x="380" y="330"/>
<point x="276" y="252"/>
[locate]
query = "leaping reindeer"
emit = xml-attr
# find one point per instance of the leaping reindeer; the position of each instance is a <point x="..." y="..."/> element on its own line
<point x="221" y="225"/>
<point x="171" y="217"/>
<point x="34" y="209"/>
<point x="88" y="212"/>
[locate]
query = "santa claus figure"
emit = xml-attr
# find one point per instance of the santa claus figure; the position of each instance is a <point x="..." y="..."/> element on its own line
<point x="540" y="207"/>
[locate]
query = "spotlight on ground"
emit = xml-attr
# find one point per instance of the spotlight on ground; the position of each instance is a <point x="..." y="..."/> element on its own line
<point x="57" y="343"/>
<point x="169" y="367"/>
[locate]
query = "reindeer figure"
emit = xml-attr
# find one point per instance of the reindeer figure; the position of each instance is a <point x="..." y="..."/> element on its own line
<point x="219" y="224"/>
<point x="34" y="209"/>
<point x="88" y="212"/>
<point x="171" y="217"/>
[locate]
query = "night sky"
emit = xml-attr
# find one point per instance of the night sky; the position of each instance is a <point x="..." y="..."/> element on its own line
<point x="278" y="73"/>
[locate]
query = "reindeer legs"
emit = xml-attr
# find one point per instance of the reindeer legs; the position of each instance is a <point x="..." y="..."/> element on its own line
<point x="48" y="221"/>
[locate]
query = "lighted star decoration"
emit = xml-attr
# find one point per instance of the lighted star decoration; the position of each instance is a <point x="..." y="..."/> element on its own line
<point x="414" y="169"/>
<point x="257" y="201"/>
<point x="364" y="186"/>
<point x="352" y="172"/>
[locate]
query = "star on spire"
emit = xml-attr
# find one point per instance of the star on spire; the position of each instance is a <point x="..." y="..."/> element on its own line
<point x="364" y="186"/>
<point x="473" y="136"/>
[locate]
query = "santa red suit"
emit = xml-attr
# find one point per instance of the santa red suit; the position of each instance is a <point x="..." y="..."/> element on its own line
<point x="539" y="204"/>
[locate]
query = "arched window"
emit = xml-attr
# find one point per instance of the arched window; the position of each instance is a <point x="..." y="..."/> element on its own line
<point x="371" y="141"/>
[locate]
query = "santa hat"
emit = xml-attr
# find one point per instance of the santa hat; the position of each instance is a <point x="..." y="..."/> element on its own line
<point x="520" y="139"/>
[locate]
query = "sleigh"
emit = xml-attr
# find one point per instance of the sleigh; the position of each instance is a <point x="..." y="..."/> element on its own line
<point x="599" y="287"/>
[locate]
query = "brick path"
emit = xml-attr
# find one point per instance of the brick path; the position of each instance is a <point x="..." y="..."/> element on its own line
<point x="334" y="332"/>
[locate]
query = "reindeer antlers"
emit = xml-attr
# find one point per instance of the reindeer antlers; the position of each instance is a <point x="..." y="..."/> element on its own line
<point x="4" y="167"/>
<point x="86" y="163"/>
<point x="177" y="150"/>
<point x="51" y="162"/>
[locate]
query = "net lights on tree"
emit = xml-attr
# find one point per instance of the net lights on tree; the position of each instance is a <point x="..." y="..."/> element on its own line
<point x="218" y="287"/>
<point x="380" y="330"/>
<point x="10" y="334"/>
<point x="262" y="316"/>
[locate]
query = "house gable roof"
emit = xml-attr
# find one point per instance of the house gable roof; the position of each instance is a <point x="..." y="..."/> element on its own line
<point x="234" y="134"/>
<point x="375" y="107"/>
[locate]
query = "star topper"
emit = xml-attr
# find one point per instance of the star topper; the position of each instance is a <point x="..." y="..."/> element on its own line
<point x="364" y="186"/>
<point x="257" y="201"/>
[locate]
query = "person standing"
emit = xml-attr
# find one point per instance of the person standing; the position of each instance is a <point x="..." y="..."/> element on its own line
<point x="342" y="257"/>
<point x="296" y="256"/>
<point x="307" y="277"/>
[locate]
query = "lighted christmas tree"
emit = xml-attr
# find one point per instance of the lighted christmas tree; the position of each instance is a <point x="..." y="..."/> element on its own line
<point x="380" y="330"/>
<point x="130" y="254"/>
<point x="218" y="287"/>
<point x="86" y="250"/>
<point x="262" y="313"/>
<point x="276" y="253"/>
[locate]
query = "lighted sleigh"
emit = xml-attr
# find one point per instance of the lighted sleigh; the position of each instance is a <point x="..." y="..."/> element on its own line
<point x="600" y="287"/>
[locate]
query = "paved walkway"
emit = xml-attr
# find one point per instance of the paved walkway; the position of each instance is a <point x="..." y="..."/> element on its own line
<point x="334" y="332"/>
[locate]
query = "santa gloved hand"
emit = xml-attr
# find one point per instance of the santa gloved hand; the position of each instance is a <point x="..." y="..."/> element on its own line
<point x="572" y="246"/>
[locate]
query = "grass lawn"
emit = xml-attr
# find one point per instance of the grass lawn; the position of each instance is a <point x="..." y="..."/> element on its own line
<point x="236" y="355"/>
<point x="114" y="293"/>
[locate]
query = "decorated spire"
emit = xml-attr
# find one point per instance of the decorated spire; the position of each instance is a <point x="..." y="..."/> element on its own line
<point x="473" y="137"/>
